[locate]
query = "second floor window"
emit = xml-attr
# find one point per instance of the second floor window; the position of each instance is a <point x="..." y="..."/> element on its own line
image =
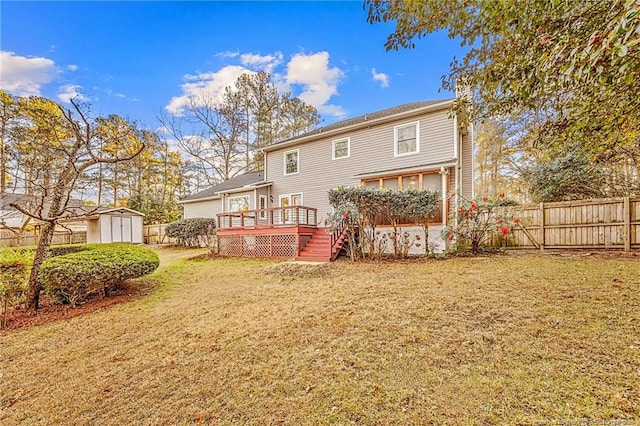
<point x="407" y="139"/>
<point x="291" y="162"/>
<point x="341" y="148"/>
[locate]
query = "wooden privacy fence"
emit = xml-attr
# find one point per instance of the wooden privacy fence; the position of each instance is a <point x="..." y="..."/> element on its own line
<point x="8" y="239"/>
<point x="156" y="234"/>
<point x="611" y="223"/>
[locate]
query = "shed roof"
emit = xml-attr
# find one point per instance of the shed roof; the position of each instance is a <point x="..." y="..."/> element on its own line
<point x="102" y="210"/>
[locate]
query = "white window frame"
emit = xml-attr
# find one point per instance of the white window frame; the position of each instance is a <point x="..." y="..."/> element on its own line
<point x="333" y="148"/>
<point x="247" y="197"/>
<point x="297" y="151"/>
<point x="395" y="139"/>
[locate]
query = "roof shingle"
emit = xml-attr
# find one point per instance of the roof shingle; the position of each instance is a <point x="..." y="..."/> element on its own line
<point x="233" y="183"/>
<point x="367" y="117"/>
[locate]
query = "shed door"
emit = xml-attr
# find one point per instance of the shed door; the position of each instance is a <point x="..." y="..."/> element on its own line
<point x="116" y="229"/>
<point x="126" y="229"/>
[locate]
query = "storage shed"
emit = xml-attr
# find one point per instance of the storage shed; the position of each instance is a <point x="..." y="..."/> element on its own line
<point x="115" y="225"/>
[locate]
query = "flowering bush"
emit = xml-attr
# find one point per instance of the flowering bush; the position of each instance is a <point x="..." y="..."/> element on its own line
<point x="476" y="222"/>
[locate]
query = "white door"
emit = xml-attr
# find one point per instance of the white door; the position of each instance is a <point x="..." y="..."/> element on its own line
<point x="126" y="229"/>
<point x="288" y="215"/>
<point x="116" y="229"/>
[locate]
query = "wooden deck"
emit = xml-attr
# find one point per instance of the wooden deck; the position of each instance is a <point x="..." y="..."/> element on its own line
<point x="282" y="232"/>
<point x="271" y="219"/>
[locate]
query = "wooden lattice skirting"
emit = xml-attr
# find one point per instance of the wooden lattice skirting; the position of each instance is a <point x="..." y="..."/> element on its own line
<point x="260" y="245"/>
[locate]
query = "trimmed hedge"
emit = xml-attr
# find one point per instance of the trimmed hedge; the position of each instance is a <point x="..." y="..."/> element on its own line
<point x="99" y="269"/>
<point x="55" y="251"/>
<point x="27" y="252"/>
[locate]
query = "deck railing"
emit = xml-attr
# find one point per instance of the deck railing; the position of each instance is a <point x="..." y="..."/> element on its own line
<point x="275" y="217"/>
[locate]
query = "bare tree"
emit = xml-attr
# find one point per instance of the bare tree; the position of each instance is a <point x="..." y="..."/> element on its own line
<point x="73" y="148"/>
<point x="222" y="137"/>
<point x="211" y="134"/>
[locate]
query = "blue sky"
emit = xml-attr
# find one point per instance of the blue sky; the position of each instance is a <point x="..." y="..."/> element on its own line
<point x="138" y="59"/>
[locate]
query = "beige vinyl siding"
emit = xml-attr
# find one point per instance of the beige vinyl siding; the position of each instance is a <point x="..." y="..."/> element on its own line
<point x="206" y="208"/>
<point x="371" y="150"/>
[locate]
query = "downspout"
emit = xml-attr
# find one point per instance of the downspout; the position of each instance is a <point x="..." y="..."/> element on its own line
<point x="473" y="158"/>
<point x="456" y="155"/>
<point x="459" y="189"/>
<point x="264" y="175"/>
<point x="443" y="176"/>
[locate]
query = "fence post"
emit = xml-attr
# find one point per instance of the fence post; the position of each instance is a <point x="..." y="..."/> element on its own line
<point x="627" y="224"/>
<point x="542" y="239"/>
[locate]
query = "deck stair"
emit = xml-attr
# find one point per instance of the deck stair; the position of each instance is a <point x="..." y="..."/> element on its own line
<point x="320" y="249"/>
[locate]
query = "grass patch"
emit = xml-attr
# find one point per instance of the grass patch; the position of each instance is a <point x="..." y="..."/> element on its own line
<point x="495" y="340"/>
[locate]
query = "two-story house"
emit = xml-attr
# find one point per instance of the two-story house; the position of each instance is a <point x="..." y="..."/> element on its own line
<point x="280" y="212"/>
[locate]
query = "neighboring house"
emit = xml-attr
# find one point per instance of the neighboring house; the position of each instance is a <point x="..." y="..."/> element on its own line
<point x="417" y="145"/>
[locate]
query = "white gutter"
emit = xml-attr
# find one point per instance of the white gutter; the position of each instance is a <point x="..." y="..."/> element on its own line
<point x="431" y="167"/>
<point x="214" y="197"/>
<point x="245" y="188"/>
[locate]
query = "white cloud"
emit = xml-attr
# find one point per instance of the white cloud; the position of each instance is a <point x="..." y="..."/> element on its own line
<point x="72" y="67"/>
<point x="310" y="75"/>
<point x="380" y="77"/>
<point x="116" y="94"/>
<point x="205" y="88"/>
<point x="227" y="54"/>
<point x="24" y="76"/>
<point x="71" y="91"/>
<point x="319" y="81"/>
<point x="258" y="62"/>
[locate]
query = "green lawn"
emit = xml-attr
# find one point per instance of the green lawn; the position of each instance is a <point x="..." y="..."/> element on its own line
<point x="515" y="339"/>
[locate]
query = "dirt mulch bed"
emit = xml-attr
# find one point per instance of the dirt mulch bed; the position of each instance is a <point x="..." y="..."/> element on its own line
<point x="50" y="311"/>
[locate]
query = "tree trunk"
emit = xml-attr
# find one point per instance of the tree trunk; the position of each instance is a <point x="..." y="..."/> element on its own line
<point x="3" y="165"/>
<point x="100" y="178"/>
<point x="34" y="286"/>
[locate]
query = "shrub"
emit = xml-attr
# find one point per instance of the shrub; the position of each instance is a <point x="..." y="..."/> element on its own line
<point x="62" y="250"/>
<point x="14" y="267"/>
<point x="476" y="222"/>
<point x="195" y="232"/>
<point x="358" y="209"/>
<point x="73" y="277"/>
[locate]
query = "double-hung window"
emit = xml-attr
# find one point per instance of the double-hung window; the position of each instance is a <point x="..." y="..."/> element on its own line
<point x="406" y="139"/>
<point x="291" y="162"/>
<point x="340" y="148"/>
